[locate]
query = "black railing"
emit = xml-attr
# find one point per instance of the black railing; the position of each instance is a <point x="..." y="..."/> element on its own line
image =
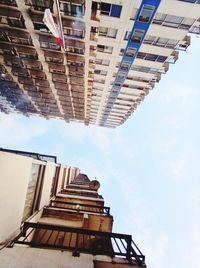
<point x="79" y="207"/>
<point x="87" y="194"/>
<point x="43" y="157"/>
<point x="80" y="240"/>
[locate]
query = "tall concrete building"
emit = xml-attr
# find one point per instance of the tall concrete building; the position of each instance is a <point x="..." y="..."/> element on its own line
<point x="114" y="53"/>
<point x="53" y="216"/>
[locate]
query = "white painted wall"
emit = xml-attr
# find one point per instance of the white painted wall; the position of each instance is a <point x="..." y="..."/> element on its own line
<point x="14" y="175"/>
<point x="48" y="178"/>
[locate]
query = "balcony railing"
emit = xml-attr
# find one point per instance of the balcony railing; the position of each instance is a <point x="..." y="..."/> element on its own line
<point x="71" y="192"/>
<point x="80" y="241"/>
<point x="79" y="207"/>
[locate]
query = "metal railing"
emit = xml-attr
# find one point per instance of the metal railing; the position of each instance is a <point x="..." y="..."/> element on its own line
<point x="80" y="240"/>
<point x="79" y="207"/>
<point x="86" y="194"/>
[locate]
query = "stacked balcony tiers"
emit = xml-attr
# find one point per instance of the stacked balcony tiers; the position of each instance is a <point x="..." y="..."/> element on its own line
<point x="114" y="53"/>
<point x="73" y="224"/>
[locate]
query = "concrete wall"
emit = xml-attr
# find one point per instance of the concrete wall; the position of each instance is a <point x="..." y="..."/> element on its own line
<point x="47" y="183"/>
<point x="21" y="257"/>
<point x="15" y="171"/>
<point x="14" y="176"/>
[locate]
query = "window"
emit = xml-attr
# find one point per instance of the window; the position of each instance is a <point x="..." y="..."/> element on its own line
<point x="107" y="32"/>
<point x="127" y="35"/>
<point x="72" y="9"/>
<point x="151" y="57"/>
<point x="16" y="22"/>
<point x="40" y="4"/>
<point x="122" y="50"/>
<point x="102" y="62"/>
<point x="161" y="42"/>
<point x="110" y="10"/>
<point x="73" y="32"/>
<point x="105" y="49"/>
<point x="191" y="1"/>
<point x="101" y="81"/>
<point x="146" y="13"/>
<point x="137" y="36"/>
<point x="144" y="69"/>
<point x="173" y="21"/>
<point x="75" y="50"/>
<point x="130" y="52"/>
<point x="34" y="191"/>
<point x="125" y="66"/>
<point x="101" y="72"/>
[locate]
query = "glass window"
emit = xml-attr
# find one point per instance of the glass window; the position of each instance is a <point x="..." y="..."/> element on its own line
<point x="159" y="18"/>
<point x="162" y="41"/>
<point x="127" y="35"/>
<point x="105" y="8"/>
<point x="149" y="39"/>
<point x="130" y="52"/>
<point x="125" y="66"/>
<point x="146" y="13"/>
<point x="105" y="62"/>
<point x="110" y="9"/>
<point x="137" y="36"/>
<point x="172" y="21"/>
<point x="103" y="31"/>
<point x="191" y="1"/>
<point x="122" y="50"/>
<point x="112" y="33"/>
<point x="105" y="49"/>
<point x="116" y="11"/>
<point x="32" y="195"/>
<point x="72" y="9"/>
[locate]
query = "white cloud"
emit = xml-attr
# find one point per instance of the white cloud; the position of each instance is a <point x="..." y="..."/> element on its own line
<point x="15" y="132"/>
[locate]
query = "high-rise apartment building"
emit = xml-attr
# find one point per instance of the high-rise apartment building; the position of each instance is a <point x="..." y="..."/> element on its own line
<point x="114" y="53"/>
<point x="53" y="216"/>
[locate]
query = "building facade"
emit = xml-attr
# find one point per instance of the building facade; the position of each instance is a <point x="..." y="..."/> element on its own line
<point x="114" y="53"/>
<point x="53" y="216"/>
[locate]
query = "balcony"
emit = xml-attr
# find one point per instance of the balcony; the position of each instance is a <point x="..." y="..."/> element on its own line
<point x="73" y="28"/>
<point x="75" y="60"/>
<point x="76" y="47"/>
<point x="7" y="49"/>
<point x="61" y="86"/>
<point x="84" y="194"/>
<point x="38" y="74"/>
<point x="40" y="5"/>
<point x="76" y="71"/>
<point x="57" y="68"/>
<point x="18" y="36"/>
<point x="37" y="19"/>
<point x="8" y="2"/>
<point x="32" y="64"/>
<point x="74" y="8"/>
<point x="48" y="42"/>
<point x="59" y="78"/>
<point x="11" y="17"/>
<point x="79" y="207"/>
<point x="55" y="57"/>
<point x="79" y="240"/>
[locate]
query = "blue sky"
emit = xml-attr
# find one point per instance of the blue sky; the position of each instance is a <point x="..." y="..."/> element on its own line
<point x="148" y="167"/>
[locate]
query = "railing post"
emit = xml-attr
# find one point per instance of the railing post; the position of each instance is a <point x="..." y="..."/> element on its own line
<point x="76" y="252"/>
<point x="128" y="250"/>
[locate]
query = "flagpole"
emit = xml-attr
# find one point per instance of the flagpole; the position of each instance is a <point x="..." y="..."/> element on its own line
<point x="60" y="23"/>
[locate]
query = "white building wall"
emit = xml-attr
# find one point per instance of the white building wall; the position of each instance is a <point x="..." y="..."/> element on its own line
<point x="14" y="176"/>
<point x="47" y="183"/>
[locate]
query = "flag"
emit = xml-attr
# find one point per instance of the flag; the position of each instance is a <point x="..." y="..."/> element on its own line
<point x="52" y="26"/>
